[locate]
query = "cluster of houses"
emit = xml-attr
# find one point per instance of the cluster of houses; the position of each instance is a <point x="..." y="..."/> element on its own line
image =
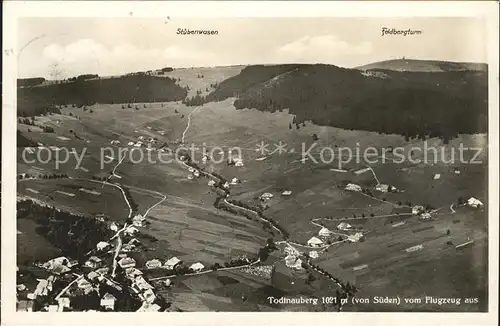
<point x="195" y="173"/>
<point x="141" y="142"/>
<point x="325" y="233"/>
<point x="140" y="286"/>
<point x="385" y="188"/>
<point x="292" y="259"/>
<point x="61" y="267"/>
<point x="172" y="264"/>
<point x="267" y="195"/>
<point x="138" y="220"/>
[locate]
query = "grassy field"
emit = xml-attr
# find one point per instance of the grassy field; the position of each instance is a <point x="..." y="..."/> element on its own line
<point x="109" y="202"/>
<point x="199" y="79"/>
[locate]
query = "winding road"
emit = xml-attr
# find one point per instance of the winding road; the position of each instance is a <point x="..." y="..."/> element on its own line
<point x="188" y="123"/>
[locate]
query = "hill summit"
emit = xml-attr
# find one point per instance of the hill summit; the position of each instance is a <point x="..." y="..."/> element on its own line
<point x="424" y="66"/>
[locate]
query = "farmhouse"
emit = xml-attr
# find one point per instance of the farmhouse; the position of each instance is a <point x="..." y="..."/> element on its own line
<point x="63" y="302"/>
<point x="93" y="262"/>
<point x="437" y="176"/>
<point x="196" y="267"/>
<point x="141" y="284"/>
<point x="286" y="193"/>
<point x="102" y="270"/>
<point x="226" y="185"/>
<point x="131" y="230"/>
<point x="417" y="209"/>
<point x="115" y="142"/>
<point x="238" y="163"/>
<point x="266" y="196"/>
<point x="353" y="187"/>
<point x="314" y="242"/>
<point x="456" y="171"/>
<point x="126" y="262"/>
<point x="313" y="254"/>
<point x="113" y="227"/>
<point x="196" y="173"/>
<point x="148" y="296"/>
<point x="344" y="226"/>
<point x="473" y="202"/>
<point x="108" y="301"/>
<point x="93" y="275"/>
<point x="154" y="263"/>
<point x="172" y="263"/>
<point x="43" y="287"/>
<point x="190" y="177"/>
<point x="294" y="262"/>
<point x="234" y="181"/>
<point x="425" y="216"/>
<point x="138" y="219"/>
<point x="138" y="144"/>
<point x="355" y="237"/>
<point x="131" y="143"/>
<point x="55" y="263"/>
<point x="324" y="232"/>
<point x="84" y="285"/>
<point x="102" y="245"/>
<point x="132" y="272"/>
<point x="211" y="183"/>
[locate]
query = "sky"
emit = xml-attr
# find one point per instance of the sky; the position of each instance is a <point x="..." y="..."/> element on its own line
<point x="113" y="46"/>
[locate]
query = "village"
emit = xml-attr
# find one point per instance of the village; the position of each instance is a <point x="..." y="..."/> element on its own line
<point x="113" y="278"/>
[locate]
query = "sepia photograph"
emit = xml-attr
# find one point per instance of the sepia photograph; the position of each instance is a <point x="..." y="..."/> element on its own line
<point x="228" y="163"/>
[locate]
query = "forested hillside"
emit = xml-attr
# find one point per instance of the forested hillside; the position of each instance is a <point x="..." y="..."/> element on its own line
<point x="413" y="104"/>
<point x="126" y="89"/>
